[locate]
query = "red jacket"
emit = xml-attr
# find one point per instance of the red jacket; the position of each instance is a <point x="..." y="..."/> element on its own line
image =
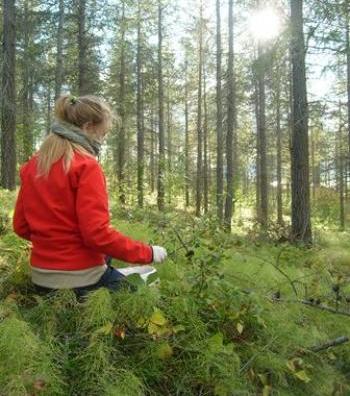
<point x="66" y="217"/>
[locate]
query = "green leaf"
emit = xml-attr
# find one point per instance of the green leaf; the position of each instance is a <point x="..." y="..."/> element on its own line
<point x="158" y="318"/>
<point x="178" y="328"/>
<point x="290" y="365"/>
<point x="240" y="327"/>
<point x="263" y="378"/>
<point x="215" y="342"/>
<point x="164" y="351"/>
<point x="267" y="390"/>
<point x="302" y="376"/>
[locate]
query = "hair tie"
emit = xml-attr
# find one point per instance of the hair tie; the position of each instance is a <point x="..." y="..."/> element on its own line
<point x="72" y="99"/>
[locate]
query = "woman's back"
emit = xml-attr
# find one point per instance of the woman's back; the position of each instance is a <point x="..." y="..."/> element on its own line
<point x="49" y="207"/>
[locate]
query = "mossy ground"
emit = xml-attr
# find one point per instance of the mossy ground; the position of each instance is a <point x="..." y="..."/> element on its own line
<point x="223" y="320"/>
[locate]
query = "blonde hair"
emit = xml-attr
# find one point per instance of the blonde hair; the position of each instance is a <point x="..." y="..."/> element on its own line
<point x="76" y="111"/>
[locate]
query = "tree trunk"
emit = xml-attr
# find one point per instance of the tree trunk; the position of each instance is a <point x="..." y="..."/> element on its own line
<point x="8" y="119"/>
<point x="279" y="151"/>
<point x="199" y="117"/>
<point x="219" y="134"/>
<point x="187" y="166"/>
<point x="82" y="49"/>
<point x="121" y="143"/>
<point x="340" y="173"/>
<point x="205" y="141"/>
<point x="140" y="131"/>
<point x="26" y="114"/>
<point x="48" y="108"/>
<point x="347" y="32"/>
<point x="301" y="224"/>
<point x="169" y="143"/>
<point x="262" y="138"/>
<point x="59" y="51"/>
<point x="313" y="165"/>
<point x="161" y="160"/>
<point x="152" y="162"/>
<point x="257" y="160"/>
<point x="230" y="122"/>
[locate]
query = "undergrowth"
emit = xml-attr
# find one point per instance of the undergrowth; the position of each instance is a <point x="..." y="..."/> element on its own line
<point x="231" y="315"/>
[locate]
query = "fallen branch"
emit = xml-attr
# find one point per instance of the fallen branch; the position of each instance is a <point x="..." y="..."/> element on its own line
<point x="337" y="341"/>
<point x="325" y="308"/>
<point x="312" y="304"/>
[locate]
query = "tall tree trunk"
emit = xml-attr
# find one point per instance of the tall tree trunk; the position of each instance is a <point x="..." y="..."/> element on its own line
<point x="313" y="166"/>
<point x="152" y="162"/>
<point x="257" y="160"/>
<point x="347" y="33"/>
<point x="169" y="143"/>
<point x="279" y="151"/>
<point x="26" y="114"/>
<point x="340" y="172"/>
<point x="161" y="160"/>
<point x="199" y="117"/>
<point x="140" y="131"/>
<point x="187" y="166"/>
<point x="230" y="122"/>
<point x="205" y="141"/>
<point x="48" y="108"/>
<point x="219" y="134"/>
<point x="122" y="112"/>
<point x="301" y="224"/>
<point x="262" y="137"/>
<point x="8" y="119"/>
<point x="59" y="51"/>
<point x="82" y="49"/>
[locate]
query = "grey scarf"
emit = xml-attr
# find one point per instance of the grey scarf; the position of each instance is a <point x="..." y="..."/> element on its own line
<point x="76" y="135"/>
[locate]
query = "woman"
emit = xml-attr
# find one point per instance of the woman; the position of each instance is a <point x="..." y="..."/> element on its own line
<point x="62" y="205"/>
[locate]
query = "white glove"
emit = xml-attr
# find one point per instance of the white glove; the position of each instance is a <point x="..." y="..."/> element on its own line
<point x="159" y="254"/>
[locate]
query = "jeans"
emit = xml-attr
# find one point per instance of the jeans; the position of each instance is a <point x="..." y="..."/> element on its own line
<point x="111" y="279"/>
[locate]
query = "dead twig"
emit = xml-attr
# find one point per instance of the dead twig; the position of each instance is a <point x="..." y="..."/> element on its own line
<point x="332" y="343"/>
<point x="314" y="305"/>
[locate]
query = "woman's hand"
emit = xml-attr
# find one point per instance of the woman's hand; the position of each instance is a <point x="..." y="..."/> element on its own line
<point x="159" y="254"/>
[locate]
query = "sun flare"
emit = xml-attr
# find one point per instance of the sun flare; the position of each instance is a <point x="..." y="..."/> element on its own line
<point x="265" y="24"/>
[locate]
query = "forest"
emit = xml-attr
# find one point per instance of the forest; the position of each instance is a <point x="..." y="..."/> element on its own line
<point x="230" y="147"/>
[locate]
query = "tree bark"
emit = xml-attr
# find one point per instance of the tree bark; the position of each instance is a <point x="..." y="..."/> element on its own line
<point x="187" y="165"/>
<point x="169" y="142"/>
<point x="59" y="51"/>
<point x="121" y="143"/>
<point x="257" y="160"/>
<point x="82" y="49"/>
<point x="340" y="172"/>
<point x="205" y="143"/>
<point x="161" y="160"/>
<point x="199" y="117"/>
<point x="219" y="134"/>
<point x="8" y="119"/>
<point x="301" y="224"/>
<point x="140" y="131"/>
<point x="279" y="151"/>
<point x="347" y="32"/>
<point x="26" y="113"/>
<point x="262" y="138"/>
<point x="152" y="162"/>
<point x="230" y="122"/>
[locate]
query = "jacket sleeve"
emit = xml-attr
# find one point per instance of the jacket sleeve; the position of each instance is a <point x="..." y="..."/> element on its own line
<point x="94" y="222"/>
<point x="19" y="222"/>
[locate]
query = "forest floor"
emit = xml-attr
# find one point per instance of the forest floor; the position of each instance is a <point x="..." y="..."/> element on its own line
<point x="231" y="315"/>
